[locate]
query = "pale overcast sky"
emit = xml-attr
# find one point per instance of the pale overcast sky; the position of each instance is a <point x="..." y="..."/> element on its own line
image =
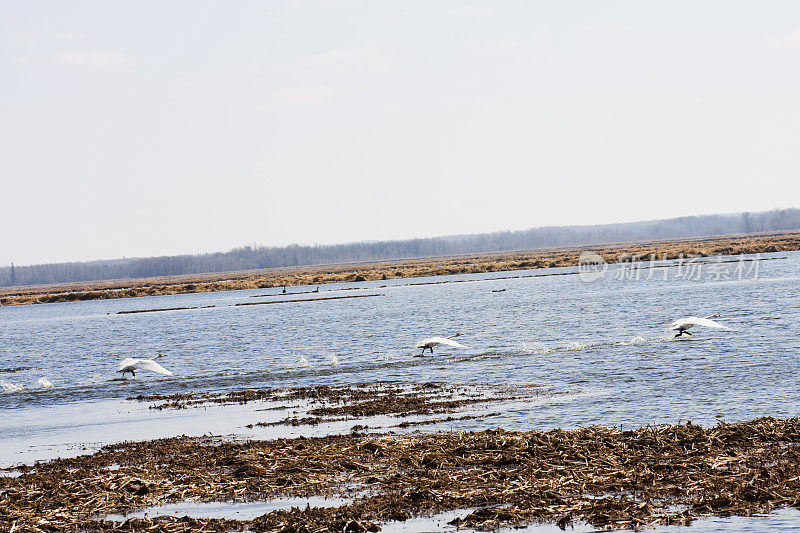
<point x="150" y="127"/>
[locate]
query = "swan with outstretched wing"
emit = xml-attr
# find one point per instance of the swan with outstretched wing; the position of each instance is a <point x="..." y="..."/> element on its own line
<point x="682" y="325"/>
<point x="131" y="365"/>
<point x="430" y="342"/>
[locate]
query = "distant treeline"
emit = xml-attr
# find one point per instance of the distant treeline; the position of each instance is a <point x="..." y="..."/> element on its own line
<point x="254" y="257"/>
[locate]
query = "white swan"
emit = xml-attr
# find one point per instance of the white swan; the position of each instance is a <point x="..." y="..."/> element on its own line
<point x="683" y="324"/>
<point x="130" y="365"/>
<point x="44" y="382"/>
<point x="429" y="343"/>
<point x="10" y="387"/>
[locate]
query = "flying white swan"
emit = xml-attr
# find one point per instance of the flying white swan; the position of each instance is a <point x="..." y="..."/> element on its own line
<point x="130" y="365"/>
<point x="429" y="343"/>
<point x="683" y="324"/>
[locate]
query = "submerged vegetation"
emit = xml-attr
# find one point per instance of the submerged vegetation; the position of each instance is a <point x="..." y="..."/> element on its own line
<point x="354" y="272"/>
<point x="361" y="400"/>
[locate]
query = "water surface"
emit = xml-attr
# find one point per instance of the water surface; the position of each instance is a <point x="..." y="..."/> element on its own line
<point x="602" y="343"/>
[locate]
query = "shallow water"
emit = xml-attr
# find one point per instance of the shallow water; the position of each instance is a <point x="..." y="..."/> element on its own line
<point x="781" y="520"/>
<point x="234" y="511"/>
<point x="601" y="342"/>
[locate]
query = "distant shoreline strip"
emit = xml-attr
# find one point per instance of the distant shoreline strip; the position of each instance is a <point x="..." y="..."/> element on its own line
<point x="636" y="265"/>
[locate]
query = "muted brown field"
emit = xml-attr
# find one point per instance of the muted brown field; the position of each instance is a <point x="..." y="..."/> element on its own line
<point x="407" y="268"/>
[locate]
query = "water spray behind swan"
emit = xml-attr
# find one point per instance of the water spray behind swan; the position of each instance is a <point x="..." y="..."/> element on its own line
<point x="10" y="387"/>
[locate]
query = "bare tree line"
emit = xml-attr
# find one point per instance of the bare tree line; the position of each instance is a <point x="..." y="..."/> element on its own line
<point x="254" y="257"/>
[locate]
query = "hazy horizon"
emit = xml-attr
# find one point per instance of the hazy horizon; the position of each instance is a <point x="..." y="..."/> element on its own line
<point x="334" y="243"/>
<point x="151" y="129"/>
<point x="702" y="223"/>
<point x="258" y="244"/>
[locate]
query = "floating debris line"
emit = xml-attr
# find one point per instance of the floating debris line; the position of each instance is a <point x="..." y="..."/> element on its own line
<point x="17" y="369"/>
<point x="163" y="309"/>
<point x="248" y="303"/>
<point x="315" y="291"/>
<point x="310" y="299"/>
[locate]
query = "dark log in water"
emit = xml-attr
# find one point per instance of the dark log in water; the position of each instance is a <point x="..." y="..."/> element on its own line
<point x="246" y="303"/>
<point x="309" y="299"/>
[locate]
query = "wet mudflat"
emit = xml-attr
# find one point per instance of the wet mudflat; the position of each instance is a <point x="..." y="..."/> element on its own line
<point x="365" y="403"/>
<point x="362" y="400"/>
<point x="606" y="477"/>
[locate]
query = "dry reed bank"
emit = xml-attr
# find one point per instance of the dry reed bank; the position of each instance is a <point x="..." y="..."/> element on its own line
<point x="609" y="478"/>
<point x="322" y="274"/>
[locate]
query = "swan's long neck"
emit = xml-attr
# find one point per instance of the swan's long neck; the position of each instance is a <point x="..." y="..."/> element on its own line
<point x="453" y="335"/>
<point x="711" y="316"/>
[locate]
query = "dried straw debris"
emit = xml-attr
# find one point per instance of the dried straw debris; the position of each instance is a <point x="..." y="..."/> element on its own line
<point x="606" y="477"/>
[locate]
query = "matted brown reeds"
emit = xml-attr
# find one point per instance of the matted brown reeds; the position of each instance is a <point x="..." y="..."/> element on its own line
<point x="607" y="477"/>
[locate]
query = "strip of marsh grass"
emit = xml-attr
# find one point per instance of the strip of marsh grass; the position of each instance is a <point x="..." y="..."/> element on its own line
<point x="405" y="268"/>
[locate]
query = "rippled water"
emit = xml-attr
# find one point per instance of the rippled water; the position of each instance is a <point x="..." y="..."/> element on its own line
<point x="602" y="342"/>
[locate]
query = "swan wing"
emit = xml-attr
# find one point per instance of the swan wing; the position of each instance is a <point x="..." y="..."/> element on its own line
<point x="681" y="322"/>
<point x="441" y="340"/>
<point x="451" y="342"/>
<point x="430" y="341"/>
<point x="128" y="363"/>
<point x="696" y="321"/>
<point x="707" y="322"/>
<point x="149" y="364"/>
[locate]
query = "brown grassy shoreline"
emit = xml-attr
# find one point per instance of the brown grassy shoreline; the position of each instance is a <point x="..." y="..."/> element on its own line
<point x="322" y="274"/>
<point x="609" y="478"/>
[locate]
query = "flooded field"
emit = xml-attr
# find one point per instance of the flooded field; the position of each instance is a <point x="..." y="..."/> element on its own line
<point x="544" y="349"/>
